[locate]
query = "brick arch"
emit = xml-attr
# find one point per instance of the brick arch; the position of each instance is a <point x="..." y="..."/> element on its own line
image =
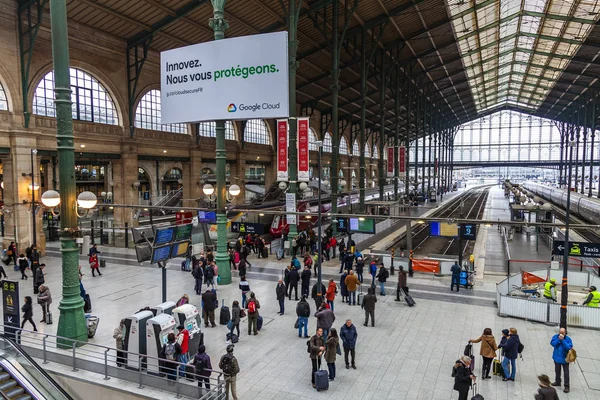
<point x="9" y="88"/>
<point x="103" y="78"/>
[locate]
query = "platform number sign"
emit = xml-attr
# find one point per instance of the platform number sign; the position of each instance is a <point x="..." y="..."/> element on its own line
<point x="11" y="307"/>
<point x="468" y="231"/>
<point x="342" y="225"/>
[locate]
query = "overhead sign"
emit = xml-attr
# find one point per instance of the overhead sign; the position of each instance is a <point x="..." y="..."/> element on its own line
<point x="282" y="150"/>
<point x="10" y="305"/>
<point x="443" y="229"/>
<point x="239" y="78"/>
<point x="362" y="225"/>
<point x="390" y="162"/>
<point x="209" y="217"/>
<point x="468" y="231"/>
<point x="303" y="150"/>
<point x="246" y="227"/>
<point x="402" y="161"/>
<point x="577" y="249"/>
<point x="342" y="225"/>
<point x="290" y="206"/>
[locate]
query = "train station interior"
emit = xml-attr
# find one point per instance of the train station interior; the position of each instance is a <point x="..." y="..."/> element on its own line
<point x="441" y="151"/>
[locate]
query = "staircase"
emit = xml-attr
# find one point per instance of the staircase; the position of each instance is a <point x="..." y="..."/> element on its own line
<point x="10" y="388"/>
<point x="273" y="194"/>
<point x="172" y="199"/>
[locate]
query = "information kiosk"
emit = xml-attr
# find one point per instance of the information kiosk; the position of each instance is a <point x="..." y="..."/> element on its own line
<point x="135" y="337"/>
<point x="157" y="330"/>
<point x="163" y="308"/>
<point x="188" y="316"/>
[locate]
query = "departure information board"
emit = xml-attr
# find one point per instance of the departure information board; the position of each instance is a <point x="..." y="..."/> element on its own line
<point x="161" y="253"/>
<point x="443" y="229"/>
<point x="184" y="232"/>
<point x="362" y="225"/>
<point x="164" y="235"/>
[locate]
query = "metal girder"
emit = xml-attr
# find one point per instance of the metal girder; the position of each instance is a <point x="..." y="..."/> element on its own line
<point x="137" y="55"/>
<point x="27" y="38"/>
<point x="169" y="19"/>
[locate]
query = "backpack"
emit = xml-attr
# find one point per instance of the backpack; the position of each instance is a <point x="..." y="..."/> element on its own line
<point x="520" y="348"/>
<point x="210" y="272"/>
<point x="309" y="261"/>
<point x="308" y="346"/>
<point x="571" y="356"/>
<point x="296" y="263"/>
<point x="170" y="351"/>
<point x="251" y="307"/>
<point x="227" y="364"/>
<point x="199" y="364"/>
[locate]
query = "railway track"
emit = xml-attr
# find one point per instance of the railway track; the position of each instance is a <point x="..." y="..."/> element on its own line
<point x="471" y="205"/>
<point x="588" y="234"/>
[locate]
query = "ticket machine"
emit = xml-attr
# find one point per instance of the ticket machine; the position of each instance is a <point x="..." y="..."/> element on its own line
<point x="157" y="330"/>
<point x="135" y="337"/>
<point x="188" y="316"/>
<point x="163" y="308"/>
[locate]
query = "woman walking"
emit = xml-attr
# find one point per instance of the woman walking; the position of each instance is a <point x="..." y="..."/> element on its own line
<point x="28" y="313"/>
<point x="487" y="351"/>
<point x="23" y="265"/>
<point x="331" y="346"/>
<point x="236" y="315"/>
<point x="95" y="264"/>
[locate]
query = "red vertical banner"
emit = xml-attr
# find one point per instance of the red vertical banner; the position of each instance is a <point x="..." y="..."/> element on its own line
<point x="390" y="161"/>
<point x="282" y="150"/>
<point x="402" y="161"/>
<point x="303" y="150"/>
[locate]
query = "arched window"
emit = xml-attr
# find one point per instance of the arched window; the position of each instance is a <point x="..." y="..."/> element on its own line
<point x="312" y="140"/>
<point x="343" y="146"/>
<point x="327" y="143"/>
<point x="355" y="149"/>
<point x="3" y="100"/>
<point x="148" y="115"/>
<point x="91" y="100"/>
<point x="375" y="152"/>
<point x="256" y="132"/>
<point x="367" y="151"/>
<point x="209" y="129"/>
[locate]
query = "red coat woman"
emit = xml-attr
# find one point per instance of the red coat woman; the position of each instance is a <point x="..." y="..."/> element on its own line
<point x="95" y="264"/>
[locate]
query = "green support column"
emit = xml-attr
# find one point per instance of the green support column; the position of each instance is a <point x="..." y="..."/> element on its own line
<point x="335" y="89"/>
<point x="397" y="134"/>
<point x="294" y="13"/>
<point x="71" y="322"/>
<point x="363" y="117"/>
<point x="382" y="169"/>
<point x="219" y="25"/>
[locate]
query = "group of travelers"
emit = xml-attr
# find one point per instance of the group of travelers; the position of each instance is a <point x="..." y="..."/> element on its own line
<point x="511" y="348"/>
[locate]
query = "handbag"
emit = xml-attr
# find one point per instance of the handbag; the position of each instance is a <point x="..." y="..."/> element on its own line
<point x="338" y="349"/>
<point x="218" y="278"/>
<point x="230" y="324"/>
<point x="243" y="313"/>
<point x="297" y="323"/>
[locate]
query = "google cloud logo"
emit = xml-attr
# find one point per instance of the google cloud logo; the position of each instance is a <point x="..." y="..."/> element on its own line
<point x="232" y="108"/>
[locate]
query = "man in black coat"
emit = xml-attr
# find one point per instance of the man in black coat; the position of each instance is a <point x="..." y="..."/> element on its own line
<point x="294" y="278"/>
<point x="305" y="276"/>
<point x="280" y="293"/>
<point x="318" y="299"/>
<point x="209" y="303"/>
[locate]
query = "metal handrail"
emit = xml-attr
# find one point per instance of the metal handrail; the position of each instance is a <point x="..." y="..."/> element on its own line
<point x="99" y="354"/>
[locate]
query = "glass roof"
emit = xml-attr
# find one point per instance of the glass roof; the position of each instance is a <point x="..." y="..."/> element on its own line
<point x="514" y="51"/>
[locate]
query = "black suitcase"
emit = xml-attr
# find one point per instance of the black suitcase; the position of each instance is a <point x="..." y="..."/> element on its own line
<point x="476" y="396"/>
<point x="225" y="314"/>
<point x="232" y="337"/>
<point x="408" y="298"/>
<point x="259" y="323"/>
<point x="265" y="252"/>
<point x="87" y="304"/>
<point x="321" y="380"/>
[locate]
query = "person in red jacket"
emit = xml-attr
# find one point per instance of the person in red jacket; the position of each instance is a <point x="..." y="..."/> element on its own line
<point x="333" y="244"/>
<point x="330" y="293"/>
<point x="183" y="338"/>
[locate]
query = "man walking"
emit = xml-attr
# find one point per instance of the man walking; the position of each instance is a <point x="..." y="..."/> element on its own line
<point x="303" y="312"/>
<point x="316" y="346"/>
<point x="209" y="303"/>
<point x="349" y="335"/>
<point x="368" y="305"/>
<point x="305" y="277"/>
<point x="280" y="292"/>
<point x="455" y="277"/>
<point x="562" y="344"/>
<point x="325" y="319"/>
<point x="230" y="367"/>
<point x="253" y="306"/>
<point x="401" y="283"/>
<point x="351" y="283"/>
<point x="294" y="277"/>
<point x="198" y="274"/>
<point x="382" y="278"/>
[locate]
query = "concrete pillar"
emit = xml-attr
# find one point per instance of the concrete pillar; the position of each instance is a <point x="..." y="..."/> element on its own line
<point x="271" y="171"/>
<point x="124" y="174"/>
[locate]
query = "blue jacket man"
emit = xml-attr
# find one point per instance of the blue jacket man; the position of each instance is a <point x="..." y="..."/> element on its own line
<point x="510" y="348"/>
<point x="348" y="334"/>
<point x="455" y="277"/>
<point x="562" y="344"/>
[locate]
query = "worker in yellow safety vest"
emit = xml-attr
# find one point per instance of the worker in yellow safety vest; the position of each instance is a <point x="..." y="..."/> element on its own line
<point x="593" y="299"/>
<point x="549" y="291"/>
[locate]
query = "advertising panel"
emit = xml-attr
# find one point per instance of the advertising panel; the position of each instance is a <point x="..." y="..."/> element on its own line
<point x="239" y="78"/>
<point x="282" y="150"/>
<point x="402" y="161"/>
<point x="390" y="162"/>
<point x="290" y="206"/>
<point x="303" y="150"/>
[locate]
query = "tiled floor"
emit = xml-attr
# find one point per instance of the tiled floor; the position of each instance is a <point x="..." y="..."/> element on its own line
<point x="408" y="355"/>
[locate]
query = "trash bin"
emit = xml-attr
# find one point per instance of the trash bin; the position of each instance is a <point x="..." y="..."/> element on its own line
<point x="92" y="325"/>
<point x="103" y="263"/>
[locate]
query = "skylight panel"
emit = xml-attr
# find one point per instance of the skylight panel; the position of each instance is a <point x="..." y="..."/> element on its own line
<point x="509" y="7"/>
<point x="552" y="27"/>
<point x="535" y="5"/>
<point x="530" y="24"/>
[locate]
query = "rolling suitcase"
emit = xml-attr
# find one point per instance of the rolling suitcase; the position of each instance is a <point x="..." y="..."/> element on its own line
<point x="476" y="396"/>
<point x="408" y="298"/>
<point x="359" y="298"/>
<point x="497" y="367"/>
<point x="321" y="380"/>
<point x="259" y="323"/>
<point x="49" y="318"/>
<point x="225" y="315"/>
<point x="265" y="252"/>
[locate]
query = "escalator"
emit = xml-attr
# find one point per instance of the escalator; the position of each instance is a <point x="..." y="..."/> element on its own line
<point x="21" y="378"/>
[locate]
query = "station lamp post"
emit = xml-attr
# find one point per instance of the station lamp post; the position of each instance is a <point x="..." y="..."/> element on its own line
<point x="33" y="187"/>
<point x="319" y="144"/>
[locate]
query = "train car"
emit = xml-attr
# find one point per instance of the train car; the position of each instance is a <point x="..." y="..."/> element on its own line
<point x="585" y="207"/>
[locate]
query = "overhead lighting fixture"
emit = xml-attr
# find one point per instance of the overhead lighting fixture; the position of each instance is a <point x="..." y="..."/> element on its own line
<point x="164" y="151"/>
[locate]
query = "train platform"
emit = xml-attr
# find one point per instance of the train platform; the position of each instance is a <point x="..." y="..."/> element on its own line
<point x="408" y="355"/>
<point x="492" y="255"/>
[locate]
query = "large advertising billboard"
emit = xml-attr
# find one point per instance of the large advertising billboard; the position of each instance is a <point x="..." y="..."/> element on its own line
<point x="239" y="78"/>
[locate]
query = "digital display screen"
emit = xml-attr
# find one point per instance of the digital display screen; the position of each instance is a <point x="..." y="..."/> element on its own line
<point x="184" y="232"/>
<point x="160" y="253"/>
<point x="342" y="224"/>
<point x="179" y="249"/>
<point x="366" y="225"/>
<point x="164" y="235"/>
<point x="143" y="252"/>
<point x="468" y="231"/>
<point x="209" y="217"/>
<point x="443" y="229"/>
